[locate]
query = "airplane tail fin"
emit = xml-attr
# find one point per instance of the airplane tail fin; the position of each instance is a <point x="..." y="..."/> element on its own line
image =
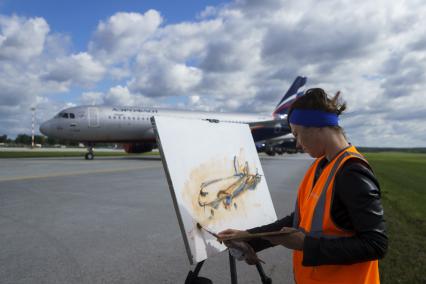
<point x="290" y="96"/>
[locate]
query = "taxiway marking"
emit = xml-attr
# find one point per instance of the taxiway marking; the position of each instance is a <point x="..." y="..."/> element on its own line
<point x="64" y="174"/>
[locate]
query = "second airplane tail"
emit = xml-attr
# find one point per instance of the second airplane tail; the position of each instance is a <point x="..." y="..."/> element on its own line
<point x="290" y="96"/>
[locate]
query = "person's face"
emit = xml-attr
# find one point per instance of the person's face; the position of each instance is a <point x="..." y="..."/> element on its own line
<point x="309" y="139"/>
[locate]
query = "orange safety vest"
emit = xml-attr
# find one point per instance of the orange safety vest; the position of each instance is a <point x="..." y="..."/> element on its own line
<point x="313" y="217"/>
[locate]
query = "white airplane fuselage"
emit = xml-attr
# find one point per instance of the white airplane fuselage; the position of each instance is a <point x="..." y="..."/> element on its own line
<point x="94" y="124"/>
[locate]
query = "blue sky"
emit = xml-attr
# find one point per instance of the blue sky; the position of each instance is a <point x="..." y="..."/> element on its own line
<point x="79" y="18"/>
<point x="236" y="56"/>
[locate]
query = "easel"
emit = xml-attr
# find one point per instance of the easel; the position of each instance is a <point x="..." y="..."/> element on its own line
<point x="193" y="277"/>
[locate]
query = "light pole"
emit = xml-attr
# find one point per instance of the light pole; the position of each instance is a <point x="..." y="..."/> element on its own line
<point x="32" y="127"/>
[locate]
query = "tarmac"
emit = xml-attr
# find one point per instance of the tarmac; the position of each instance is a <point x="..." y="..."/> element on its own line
<point x="112" y="220"/>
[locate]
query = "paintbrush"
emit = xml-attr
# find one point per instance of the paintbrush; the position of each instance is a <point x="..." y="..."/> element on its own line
<point x="208" y="231"/>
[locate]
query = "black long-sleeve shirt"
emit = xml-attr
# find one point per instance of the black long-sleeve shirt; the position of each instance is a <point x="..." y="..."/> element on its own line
<point x="356" y="207"/>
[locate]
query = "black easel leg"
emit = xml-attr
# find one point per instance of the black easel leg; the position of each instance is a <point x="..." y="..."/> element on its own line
<point x="233" y="268"/>
<point x="198" y="268"/>
<point x="193" y="277"/>
<point x="265" y="279"/>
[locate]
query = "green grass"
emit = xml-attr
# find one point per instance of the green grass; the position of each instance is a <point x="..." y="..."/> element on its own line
<point x="41" y="154"/>
<point x="402" y="177"/>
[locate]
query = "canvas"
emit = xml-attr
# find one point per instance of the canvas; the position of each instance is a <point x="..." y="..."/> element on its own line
<point x="215" y="179"/>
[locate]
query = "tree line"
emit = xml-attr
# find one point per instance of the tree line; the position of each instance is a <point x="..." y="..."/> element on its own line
<point x="24" y="139"/>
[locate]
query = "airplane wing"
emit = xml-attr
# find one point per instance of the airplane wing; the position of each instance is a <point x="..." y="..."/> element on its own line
<point x="261" y="130"/>
<point x="269" y="123"/>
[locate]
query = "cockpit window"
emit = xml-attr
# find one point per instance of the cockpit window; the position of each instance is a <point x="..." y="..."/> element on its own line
<point x="72" y="115"/>
<point x="65" y="115"/>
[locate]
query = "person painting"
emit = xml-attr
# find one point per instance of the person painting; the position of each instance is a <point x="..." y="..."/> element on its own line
<point x="337" y="230"/>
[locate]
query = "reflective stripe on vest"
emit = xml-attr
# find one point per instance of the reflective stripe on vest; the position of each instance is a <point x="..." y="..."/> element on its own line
<point x="317" y="219"/>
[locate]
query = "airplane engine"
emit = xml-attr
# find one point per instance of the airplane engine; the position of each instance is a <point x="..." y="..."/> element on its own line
<point x="136" y="148"/>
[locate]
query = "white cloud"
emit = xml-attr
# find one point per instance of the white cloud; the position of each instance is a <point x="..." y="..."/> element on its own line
<point x="91" y="98"/>
<point x="79" y="69"/>
<point x="194" y="100"/>
<point x="21" y="39"/>
<point x="121" y="96"/>
<point x="240" y="56"/>
<point x="27" y="51"/>
<point x="123" y="35"/>
<point x="165" y="78"/>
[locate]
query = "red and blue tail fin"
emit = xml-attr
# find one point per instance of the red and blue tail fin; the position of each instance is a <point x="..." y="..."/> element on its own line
<point x="289" y="97"/>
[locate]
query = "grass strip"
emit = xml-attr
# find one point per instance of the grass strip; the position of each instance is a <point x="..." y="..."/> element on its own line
<point x="402" y="179"/>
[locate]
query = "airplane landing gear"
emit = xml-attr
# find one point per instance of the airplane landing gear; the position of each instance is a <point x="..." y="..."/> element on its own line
<point x="90" y="155"/>
<point x="269" y="150"/>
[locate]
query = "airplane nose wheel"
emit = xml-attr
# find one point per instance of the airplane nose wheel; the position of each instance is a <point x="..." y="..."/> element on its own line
<point x="89" y="156"/>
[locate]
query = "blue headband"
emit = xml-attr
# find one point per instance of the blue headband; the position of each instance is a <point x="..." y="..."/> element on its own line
<point x="313" y="118"/>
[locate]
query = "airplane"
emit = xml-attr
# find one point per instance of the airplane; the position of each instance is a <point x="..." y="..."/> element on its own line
<point x="279" y="145"/>
<point x="132" y="126"/>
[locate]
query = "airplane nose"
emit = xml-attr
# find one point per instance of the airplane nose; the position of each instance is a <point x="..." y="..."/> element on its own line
<point x="44" y="128"/>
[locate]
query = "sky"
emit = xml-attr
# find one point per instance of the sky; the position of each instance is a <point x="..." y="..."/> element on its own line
<point x="228" y="56"/>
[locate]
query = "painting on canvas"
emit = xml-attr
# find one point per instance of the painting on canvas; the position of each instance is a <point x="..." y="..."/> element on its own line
<point x="215" y="179"/>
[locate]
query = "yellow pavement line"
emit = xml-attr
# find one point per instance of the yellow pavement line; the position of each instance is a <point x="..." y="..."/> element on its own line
<point x="78" y="173"/>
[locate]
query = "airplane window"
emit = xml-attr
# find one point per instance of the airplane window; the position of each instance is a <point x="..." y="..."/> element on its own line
<point x="114" y="117"/>
<point x="134" y="118"/>
<point x="119" y="117"/>
<point x="72" y="115"/>
<point x="129" y="118"/>
<point x="65" y="115"/>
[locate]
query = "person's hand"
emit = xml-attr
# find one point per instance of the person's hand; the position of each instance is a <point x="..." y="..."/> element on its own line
<point x="230" y="233"/>
<point x="250" y="255"/>
<point x="293" y="239"/>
